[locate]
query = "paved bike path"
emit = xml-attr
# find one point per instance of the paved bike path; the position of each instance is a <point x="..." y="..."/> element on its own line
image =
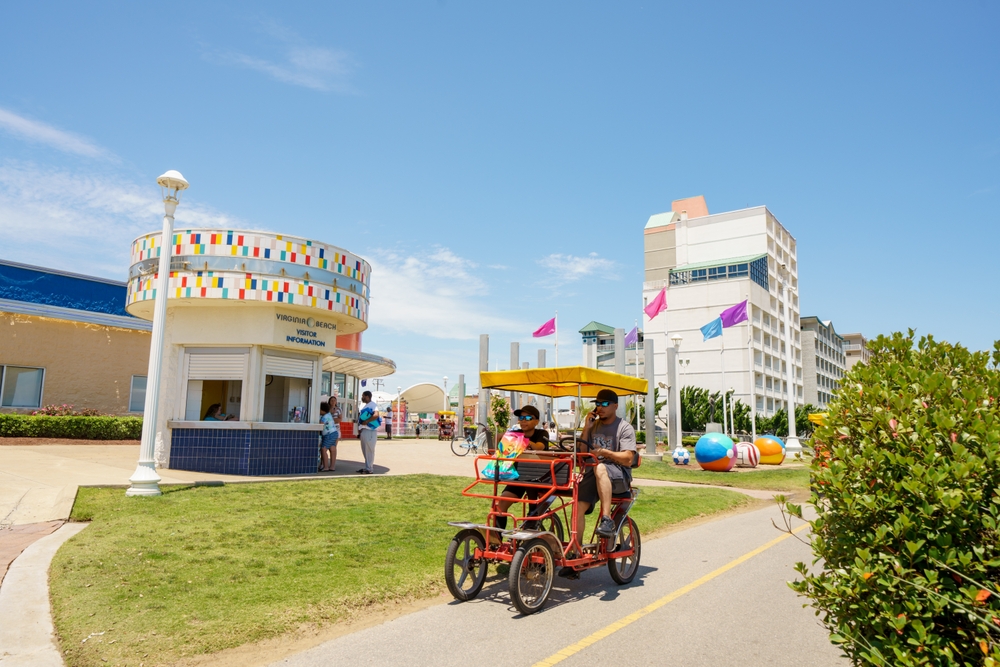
<point x="745" y="615"/>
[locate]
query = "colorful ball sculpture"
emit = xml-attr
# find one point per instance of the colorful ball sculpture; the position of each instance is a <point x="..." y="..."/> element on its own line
<point x="715" y="451"/>
<point x="747" y="455"/>
<point x="681" y="456"/>
<point x="772" y="450"/>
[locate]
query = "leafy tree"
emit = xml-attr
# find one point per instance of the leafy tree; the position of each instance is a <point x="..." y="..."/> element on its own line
<point x="906" y="488"/>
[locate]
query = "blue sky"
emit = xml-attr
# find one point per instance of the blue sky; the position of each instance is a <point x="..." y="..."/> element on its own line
<point x="496" y="163"/>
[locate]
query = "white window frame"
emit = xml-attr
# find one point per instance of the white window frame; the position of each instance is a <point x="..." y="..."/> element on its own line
<point x="180" y="411"/>
<point x="131" y="393"/>
<point x="41" y="390"/>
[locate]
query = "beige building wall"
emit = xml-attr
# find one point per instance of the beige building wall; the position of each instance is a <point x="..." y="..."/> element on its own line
<point x="86" y="365"/>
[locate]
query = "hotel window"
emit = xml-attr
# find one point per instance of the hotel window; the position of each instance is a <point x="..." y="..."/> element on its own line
<point x="137" y="395"/>
<point x="215" y="376"/>
<point x="21" y="387"/>
<point x="287" y="388"/>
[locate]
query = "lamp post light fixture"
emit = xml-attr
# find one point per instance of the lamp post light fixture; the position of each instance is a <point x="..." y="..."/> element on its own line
<point x="792" y="445"/>
<point x="145" y="481"/>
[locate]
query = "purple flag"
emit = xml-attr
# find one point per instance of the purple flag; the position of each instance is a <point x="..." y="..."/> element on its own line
<point x="632" y="337"/>
<point x="734" y="315"/>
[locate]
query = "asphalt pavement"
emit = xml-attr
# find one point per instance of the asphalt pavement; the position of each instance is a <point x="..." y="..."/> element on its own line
<point x="690" y="605"/>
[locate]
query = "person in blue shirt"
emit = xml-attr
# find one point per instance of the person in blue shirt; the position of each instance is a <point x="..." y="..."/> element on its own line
<point x="330" y="419"/>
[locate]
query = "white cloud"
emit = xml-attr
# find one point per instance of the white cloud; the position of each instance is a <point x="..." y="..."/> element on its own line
<point x="82" y="222"/>
<point x="300" y="63"/>
<point x="33" y="130"/>
<point x="436" y="295"/>
<point x="566" y="269"/>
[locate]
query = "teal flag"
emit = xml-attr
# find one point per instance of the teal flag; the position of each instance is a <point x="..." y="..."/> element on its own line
<point x="712" y="329"/>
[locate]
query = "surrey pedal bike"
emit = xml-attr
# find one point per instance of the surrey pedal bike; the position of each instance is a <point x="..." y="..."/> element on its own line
<point x="479" y="445"/>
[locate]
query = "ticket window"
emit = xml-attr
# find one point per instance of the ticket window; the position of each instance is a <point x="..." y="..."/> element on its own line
<point x="203" y="394"/>
<point x="215" y="377"/>
<point x="288" y="389"/>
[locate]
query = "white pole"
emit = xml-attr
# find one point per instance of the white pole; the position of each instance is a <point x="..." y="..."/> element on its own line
<point x="792" y="445"/>
<point x="145" y="481"/>
<point x="557" y="338"/>
<point x="753" y="373"/>
<point x="722" y="339"/>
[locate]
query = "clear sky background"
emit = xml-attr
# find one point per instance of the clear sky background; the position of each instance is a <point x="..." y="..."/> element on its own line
<point x="497" y="162"/>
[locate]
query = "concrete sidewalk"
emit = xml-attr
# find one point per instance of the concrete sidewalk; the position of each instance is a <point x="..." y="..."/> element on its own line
<point x="39" y="482"/>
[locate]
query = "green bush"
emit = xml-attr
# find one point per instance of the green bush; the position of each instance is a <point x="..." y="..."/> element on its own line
<point x="905" y="485"/>
<point x="84" y="428"/>
<point x="689" y="440"/>
<point x="640" y="437"/>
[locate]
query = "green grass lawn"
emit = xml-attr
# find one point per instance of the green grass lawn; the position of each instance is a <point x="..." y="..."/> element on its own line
<point x="202" y="569"/>
<point x="776" y="479"/>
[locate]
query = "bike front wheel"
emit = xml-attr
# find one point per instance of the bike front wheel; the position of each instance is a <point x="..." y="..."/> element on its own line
<point x="459" y="447"/>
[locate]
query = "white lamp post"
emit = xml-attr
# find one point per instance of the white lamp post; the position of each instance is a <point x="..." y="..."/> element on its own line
<point x="401" y="423"/>
<point x="792" y="445"/>
<point x="145" y="481"/>
<point x="675" y="404"/>
<point x="447" y="403"/>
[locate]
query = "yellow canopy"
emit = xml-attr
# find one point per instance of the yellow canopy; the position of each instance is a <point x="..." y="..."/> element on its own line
<point x="563" y="381"/>
<point x="818" y="418"/>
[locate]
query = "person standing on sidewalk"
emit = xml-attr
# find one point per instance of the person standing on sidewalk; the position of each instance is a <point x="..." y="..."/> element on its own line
<point x="388" y="425"/>
<point x="368" y="423"/>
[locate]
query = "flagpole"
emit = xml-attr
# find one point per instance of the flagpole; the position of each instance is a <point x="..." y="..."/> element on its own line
<point x="722" y="340"/>
<point x="557" y="338"/>
<point x="753" y="373"/>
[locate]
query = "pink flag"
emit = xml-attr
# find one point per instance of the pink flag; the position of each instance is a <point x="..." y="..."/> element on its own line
<point x="546" y="329"/>
<point x="657" y="305"/>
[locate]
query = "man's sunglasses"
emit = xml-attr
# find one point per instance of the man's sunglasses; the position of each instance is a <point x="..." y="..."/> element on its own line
<point x="526" y="418"/>
<point x="602" y="404"/>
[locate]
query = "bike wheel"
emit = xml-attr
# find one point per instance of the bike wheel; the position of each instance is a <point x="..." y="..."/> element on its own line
<point x="623" y="570"/>
<point x="552" y="524"/>
<point x="531" y="573"/>
<point x="459" y="447"/>
<point x="463" y="572"/>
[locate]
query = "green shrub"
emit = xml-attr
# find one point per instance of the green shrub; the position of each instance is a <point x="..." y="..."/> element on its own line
<point x="84" y="428"/>
<point x="640" y="437"/>
<point x="905" y="484"/>
<point x="689" y="440"/>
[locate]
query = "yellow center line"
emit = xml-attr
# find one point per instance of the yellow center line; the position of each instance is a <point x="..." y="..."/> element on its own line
<point x="609" y="630"/>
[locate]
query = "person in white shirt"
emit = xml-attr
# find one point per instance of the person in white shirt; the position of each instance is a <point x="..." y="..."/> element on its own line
<point x="368" y="422"/>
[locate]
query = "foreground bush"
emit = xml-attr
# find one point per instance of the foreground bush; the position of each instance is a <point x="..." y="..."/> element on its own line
<point x="84" y="428"/>
<point x="906" y="487"/>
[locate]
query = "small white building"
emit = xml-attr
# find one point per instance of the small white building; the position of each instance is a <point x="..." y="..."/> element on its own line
<point x="599" y="350"/>
<point x="707" y="263"/>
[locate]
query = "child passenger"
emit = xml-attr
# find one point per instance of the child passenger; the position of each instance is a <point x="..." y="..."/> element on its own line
<point x="330" y="418"/>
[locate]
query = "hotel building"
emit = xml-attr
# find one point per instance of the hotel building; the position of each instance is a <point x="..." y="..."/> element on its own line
<point x="824" y="362"/>
<point x="855" y="349"/>
<point x="707" y="263"/>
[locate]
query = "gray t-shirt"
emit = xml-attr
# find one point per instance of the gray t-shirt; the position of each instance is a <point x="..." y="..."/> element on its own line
<point x="618" y="436"/>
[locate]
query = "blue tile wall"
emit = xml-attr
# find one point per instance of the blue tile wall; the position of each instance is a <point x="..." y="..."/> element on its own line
<point x="244" y="451"/>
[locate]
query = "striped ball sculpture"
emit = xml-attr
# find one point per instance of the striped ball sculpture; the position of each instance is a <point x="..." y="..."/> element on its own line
<point x="747" y="455"/>
<point x="772" y="450"/>
<point x="716" y="452"/>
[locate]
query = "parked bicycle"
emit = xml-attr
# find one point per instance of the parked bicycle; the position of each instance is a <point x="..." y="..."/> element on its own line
<point x="480" y="444"/>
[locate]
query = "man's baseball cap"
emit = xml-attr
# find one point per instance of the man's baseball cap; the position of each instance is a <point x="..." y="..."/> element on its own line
<point x="607" y="395"/>
<point x="528" y="410"/>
